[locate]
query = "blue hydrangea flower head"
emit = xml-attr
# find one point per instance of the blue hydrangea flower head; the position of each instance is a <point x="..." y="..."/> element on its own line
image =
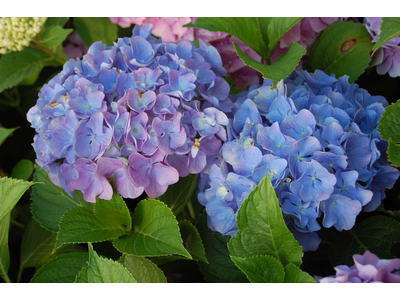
<point x="143" y="111"/>
<point x="316" y="137"/>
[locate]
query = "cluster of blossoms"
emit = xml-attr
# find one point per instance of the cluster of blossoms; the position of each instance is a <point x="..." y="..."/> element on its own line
<point x="367" y="268"/>
<point x="142" y="110"/>
<point x="316" y="137"/>
<point x="17" y="32"/>
<point x="387" y="57"/>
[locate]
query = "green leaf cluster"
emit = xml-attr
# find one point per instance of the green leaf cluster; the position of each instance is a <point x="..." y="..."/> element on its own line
<point x="152" y="231"/>
<point x="262" y="35"/>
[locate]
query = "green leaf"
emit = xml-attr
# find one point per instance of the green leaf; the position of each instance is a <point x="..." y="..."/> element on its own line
<point x="390" y="28"/>
<point x="262" y="230"/>
<point x="56" y="21"/>
<point x="96" y="29"/>
<point x="220" y="267"/>
<point x="245" y="29"/>
<point x="178" y="194"/>
<point x="31" y="79"/>
<point x="62" y="269"/>
<point x="22" y="170"/>
<point x="192" y="241"/>
<point x="394" y="153"/>
<point x="156" y="232"/>
<point x="54" y="35"/>
<point x="51" y="202"/>
<point x="342" y="49"/>
<point x="16" y="66"/>
<point x="281" y="68"/>
<point x="277" y="27"/>
<point x="4" y="252"/>
<point x="389" y="128"/>
<point x="389" y="124"/>
<point x="105" y="220"/>
<point x="37" y="244"/>
<point x="103" y="270"/>
<point x="142" y="269"/>
<point x="295" y="275"/>
<point x="5" y="133"/>
<point x="10" y="192"/>
<point x="114" y="212"/>
<point x="259" y="269"/>
<point x="376" y="234"/>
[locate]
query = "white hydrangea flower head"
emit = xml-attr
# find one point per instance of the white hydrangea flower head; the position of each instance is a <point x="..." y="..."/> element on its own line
<point x="17" y="32"/>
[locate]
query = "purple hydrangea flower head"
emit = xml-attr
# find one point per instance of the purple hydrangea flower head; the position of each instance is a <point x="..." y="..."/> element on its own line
<point x="316" y="137"/>
<point x="142" y="111"/>
<point x="387" y="58"/>
<point x="367" y="268"/>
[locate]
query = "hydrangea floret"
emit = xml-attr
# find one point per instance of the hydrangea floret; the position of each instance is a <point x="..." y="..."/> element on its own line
<point x="17" y="32"/>
<point x="316" y="137"/>
<point x="142" y="110"/>
<point x="367" y="268"/>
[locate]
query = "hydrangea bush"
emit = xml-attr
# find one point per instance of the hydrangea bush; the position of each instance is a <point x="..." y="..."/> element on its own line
<point x="316" y="137"/>
<point x="200" y="150"/>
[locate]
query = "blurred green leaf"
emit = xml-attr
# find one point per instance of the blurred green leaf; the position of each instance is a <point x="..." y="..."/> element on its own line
<point x="220" y="267"/>
<point x="105" y="220"/>
<point x="281" y="68"/>
<point x="103" y="270"/>
<point x="389" y="124"/>
<point x="293" y="274"/>
<point x="192" y="240"/>
<point x="96" y="29"/>
<point x="10" y="192"/>
<point x="56" y="21"/>
<point x="4" y="251"/>
<point x="390" y="28"/>
<point x="376" y="234"/>
<point x="31" y="79"/>
<point x="22" y="170"/>
<point x="50" y="202"/>
<point x="16" y="66"/>
<point x="156" y="232"/>
<point x="262" y="230"/>
<point x="394" y="153"/>
<point x="142" y="269"/>
<point x="54" y="35"/>
<point x="5" y="133"/>
<point x="37" y="244"/>
<point x="245" y="29"/>
<point x="342" y="49"/>
<point x="62" y="269"/>
<point x="277" y="27"/>
<point x="261" y="269"/>
<point x="389" y="129"/>
<point x="178" y="194"/>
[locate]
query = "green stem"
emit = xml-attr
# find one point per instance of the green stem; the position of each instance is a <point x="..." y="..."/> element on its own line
<point x="9" y="97"/>
<point x="5" y="275"/>
<point x="17" y="223"/>
<point x="48" y="51"/>
<point x="19" y="275"/>
<point x="191" y="210"/>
